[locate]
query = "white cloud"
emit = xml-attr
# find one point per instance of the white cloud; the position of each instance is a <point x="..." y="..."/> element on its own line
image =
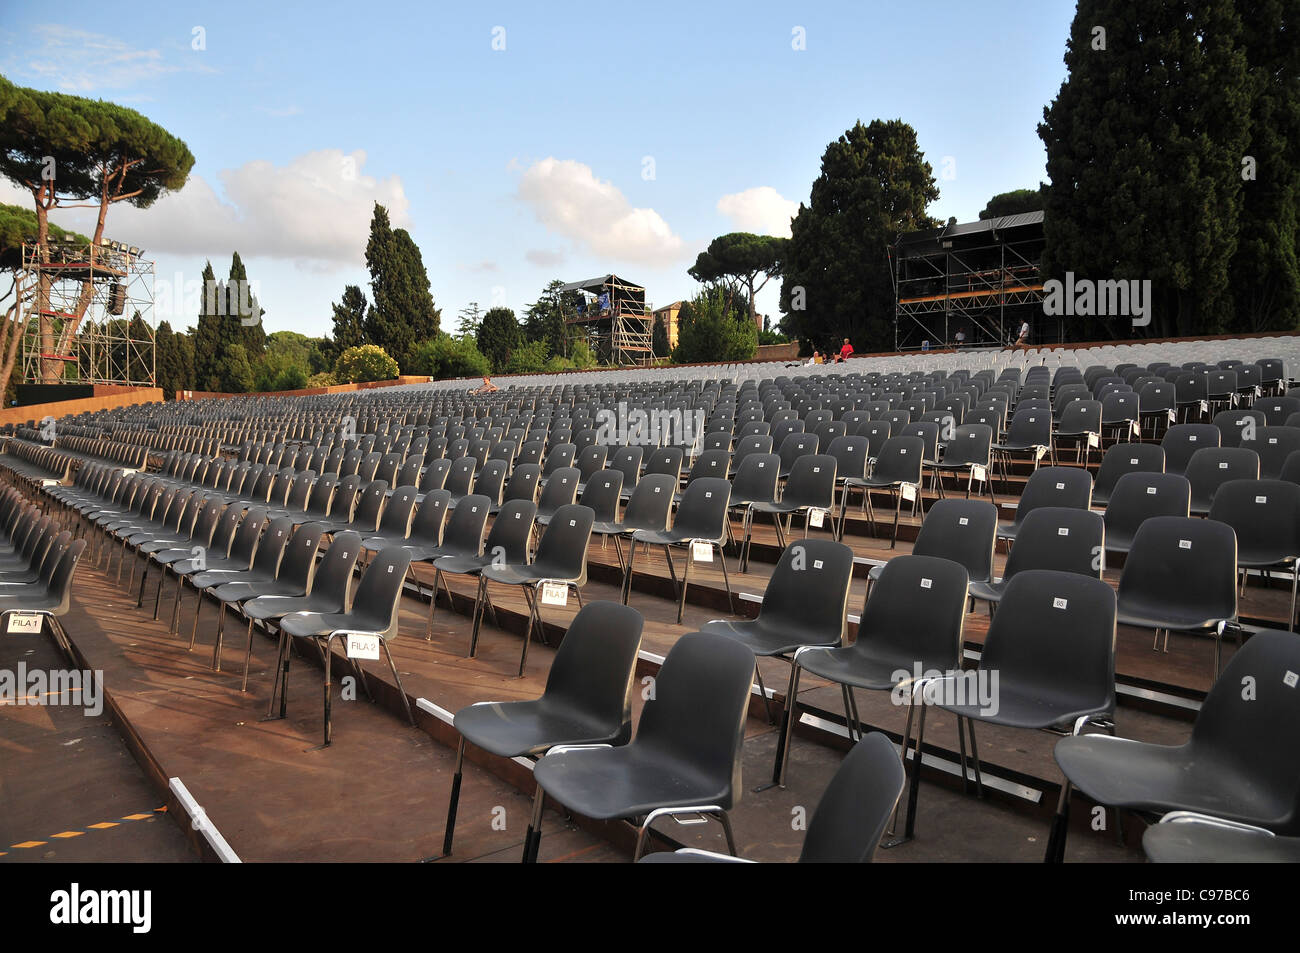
<point x="761" y="210"/>
<point x="314" y="211"/>
<point x="79" y="61"/>
<point x="478" y="267"/>
<point x="569" y="200"/>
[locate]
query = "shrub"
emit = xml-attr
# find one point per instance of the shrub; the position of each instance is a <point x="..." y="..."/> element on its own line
<point x="707" y="330"/>
<point x="369" y="362"/>
<point x="528" y="358"/>
<point x="445" y="356"/>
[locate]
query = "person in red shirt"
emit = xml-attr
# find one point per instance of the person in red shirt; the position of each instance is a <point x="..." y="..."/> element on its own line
<point x="846" y="351"/>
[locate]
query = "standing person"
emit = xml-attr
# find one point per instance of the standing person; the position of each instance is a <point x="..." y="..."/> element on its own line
<point x="1022" y="341"/>
<point x="845" y="352"/>
<point x="961" y="337"/>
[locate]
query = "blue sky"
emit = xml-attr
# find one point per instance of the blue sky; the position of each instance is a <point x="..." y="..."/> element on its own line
<point x="602" y="137"/>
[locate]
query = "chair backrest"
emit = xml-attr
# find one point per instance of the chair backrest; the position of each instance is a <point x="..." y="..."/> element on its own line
<point x="1185" y="562"/>
<point x="811" y="482"/>
<point x="1253" y="729"/>
<point x="507" y="541"/>
<point x="369" y="504"/>
<point x="969" y="444"/>
<point x="1062" y="539"/>
<point x="244" y="543"/>
<point x="756" y="478"/>
<point x="850" y="453"/>
<point x="1274" y="445"/>
<point x="856" y="806"/>
<point x="299" y="563"/>
<point x="710" y="463"/>
<point x="795" y="446"/>
<point x="1055" y="486"/>
<point x="697" y="715"/>
<point x="490" y="481"/>
<point x="1183" y="440"/>
<point x="703" y="510"/>
<point x="561" y="488"/>
<point x="1265" y="515"/>
<point x="1081" y="416"/>
<point x="665" y="460"/>
<point x="271" y="548"/>
<point x="334" y="575"/>
<point x="1053" y="638"/>
<point x="899" y="460"/>
<point x="1140" y="496"/>
<point x="464" y="532"/>
<point x="594" y="670"/>
<point x="560" y="457"/>
<point x="396" y="522"/>
<point x="650" y="502"/>
<point x="808" y="593"/>
<point x="461" y="477"/>
<point x="914" y="615"/>
<point x="562" y="550"/>
<point x="1030" y="426"/>
<point x="602" y="493"/>
<point x="627" y="460"/>
<point x="1211" y="467"/>
<point x="374" y="609"/>
<point x="523" y="482"/>
<point x="435" y="475"/>
<point x="1232" y="424"/>
<point x="964" y="531"/>
<point x="426" y="527"/>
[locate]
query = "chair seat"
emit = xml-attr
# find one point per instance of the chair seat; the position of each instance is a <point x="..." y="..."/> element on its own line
<point x="869" y="483"/>
<point x="1131" y="612"/>
<point x="858" y="668"/>
<point x="1013" y="707"/>
<point x="610" y="529"/>
<point x="688" y="855"/>
<point x="528" y="728"/>
<point x="1008" y="530"/>
<point x="1193" y="843"/>
<point x="242" y="591"/>
<point x="271" y="607"/>
<point x="778" y="507"/>
<point x="1131" y="774"/>
<point x="988" y="590"/>
<point x="655" y="537"/>
<point x="611" y="783"/>
<point x="467" y="563"/>
<point x="761" y="639"/>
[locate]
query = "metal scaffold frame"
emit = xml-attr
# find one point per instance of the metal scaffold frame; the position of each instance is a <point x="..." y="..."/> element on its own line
<point x="619" y="331"/>
<point x="983" y="276"/>
<point x="104" y="345"/>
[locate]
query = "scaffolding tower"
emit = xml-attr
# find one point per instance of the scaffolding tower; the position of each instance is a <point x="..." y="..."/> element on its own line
<point x="982" y="276"/>
<point x="614" y="316"/>
<point x="91" y="308"/>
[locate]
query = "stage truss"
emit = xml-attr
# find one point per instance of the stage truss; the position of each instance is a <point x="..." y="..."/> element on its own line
<point x="110" y="286"/>
<point x="620" y="330"/>
<point x="983" y="277"/>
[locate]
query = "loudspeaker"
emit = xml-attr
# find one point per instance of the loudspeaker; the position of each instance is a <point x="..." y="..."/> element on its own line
<point x="116" y="298"/>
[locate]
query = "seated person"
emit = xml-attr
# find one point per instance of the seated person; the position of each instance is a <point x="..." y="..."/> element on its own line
<point x="487" y="388"/>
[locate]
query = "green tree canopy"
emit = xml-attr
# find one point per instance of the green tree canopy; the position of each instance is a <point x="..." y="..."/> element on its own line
<point x="173" y="360"/>
<point x="1264" y="275"/>
<point x="737" y="259"/>
<point x="62" y="148"/>
<point x="402" y="313"/>
<point x="1144" y="142"/>
<point x="350" y="319"/>
<point x="1013" y="203"/>
<point x="709" y="328"/>
<point x="498" y="335"/>
<point x="837" y="282"/>
<point x="544" y="318"/>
